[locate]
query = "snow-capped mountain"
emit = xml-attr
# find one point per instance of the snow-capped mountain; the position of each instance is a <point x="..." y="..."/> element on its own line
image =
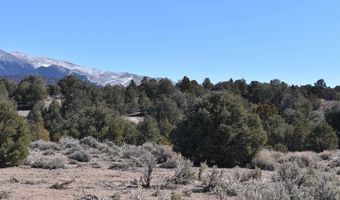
<point x="11" y="65"/>
<point x="17" y="63"/>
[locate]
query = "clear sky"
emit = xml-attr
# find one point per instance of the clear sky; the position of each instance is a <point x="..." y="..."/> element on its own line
<point x="297" y="41"/>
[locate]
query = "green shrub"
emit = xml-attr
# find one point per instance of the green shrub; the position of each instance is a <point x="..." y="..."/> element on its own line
<point x="14" y="135"/>
<point x="219" y="130"/>
<point x="323" y="137"/>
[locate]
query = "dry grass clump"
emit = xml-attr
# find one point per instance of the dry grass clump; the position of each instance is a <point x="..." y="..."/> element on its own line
<point x="265" y="160"/>
<point x="44" y="163"/>
<point x="81" y="156"/>
<point x="183" y="172"/>
<point x="43" y="145"/>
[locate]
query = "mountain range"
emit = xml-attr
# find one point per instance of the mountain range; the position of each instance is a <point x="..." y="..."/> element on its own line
<point x="21" y="64"/>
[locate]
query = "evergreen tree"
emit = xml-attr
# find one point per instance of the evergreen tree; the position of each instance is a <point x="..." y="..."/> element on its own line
<point x="36" y="123"/>
<point x="53" y="120"/>
<point x="220" y="131"/>
<point x="323" y="138"/>
<point x="30" y="91"/>
<point x="207" y="84"/>
<point x="14" y="135"/>
<point x="149" y="131"/>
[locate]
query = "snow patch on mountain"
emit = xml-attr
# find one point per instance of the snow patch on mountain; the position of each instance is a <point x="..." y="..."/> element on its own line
<point x="99" y="77"/>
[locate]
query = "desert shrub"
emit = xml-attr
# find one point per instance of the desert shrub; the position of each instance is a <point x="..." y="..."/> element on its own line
<point x="161" y="153"/>
<point x="326" y="187"/>
<point x="14" y="135"/>
<point x="43" y="145"/>
<point x="103" y="147"/>
<point x="89" y="141"/>
<point x="137" y="194"/>
<point x="290" y="173"/>
<point x="149" y="163"/>
<point x="335" y="162"/>
<point x="229" y="187"/>
<point x="326" y="155"/>
<point x="219" y="123"/>
<point x="110" y="149"/>
<point x="175" y="196"/>
<point x="307" y="183"/>
<point x="212" y="180"/>
<point x="170" y="163"/>
<point x="129" y="151"/>
<point x="202" y="170"/>
<point x="68" y="142"/>
<point x="257" y="190"/>
<point x="183" y="172"/>
<point x="265" y="161"/>
<point x="119" y="166"/>
<point x="81" y="156"/>
<point x="44" y="163"/>
<point x="303" y="159"/>
<point x="242" y="175"/>
<point x="75" y="148"/>
<point x="48" y="153"/>
<point x="236" y="181"/>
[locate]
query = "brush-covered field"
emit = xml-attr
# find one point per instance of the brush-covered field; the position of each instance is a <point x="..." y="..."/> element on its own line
<point x="88" y="169"/>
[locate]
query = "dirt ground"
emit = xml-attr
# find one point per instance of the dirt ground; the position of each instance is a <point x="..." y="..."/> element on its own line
<point x="33" y="184"/>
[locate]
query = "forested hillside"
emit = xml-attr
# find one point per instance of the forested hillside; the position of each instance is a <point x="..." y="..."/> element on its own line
<point x="225" y="124"/>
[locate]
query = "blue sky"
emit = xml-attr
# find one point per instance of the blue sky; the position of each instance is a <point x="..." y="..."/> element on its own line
<point x="297" y="41"/>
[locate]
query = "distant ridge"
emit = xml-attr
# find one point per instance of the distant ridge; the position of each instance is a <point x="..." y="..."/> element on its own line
<point x="17" y="64"/>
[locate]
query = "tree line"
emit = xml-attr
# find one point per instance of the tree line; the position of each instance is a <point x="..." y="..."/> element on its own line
<point x="225" y="123"/>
